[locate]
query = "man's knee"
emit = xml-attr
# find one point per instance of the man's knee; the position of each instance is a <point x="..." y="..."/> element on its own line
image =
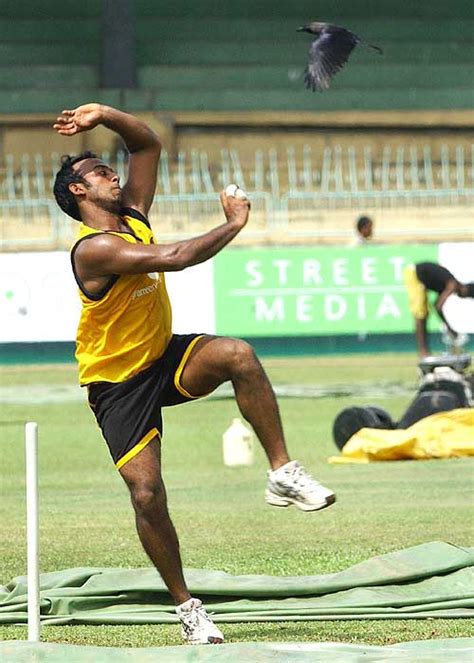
<point x="217" y="360"/>
<point x="148" y="499"/>
<point x="241" y="355"/>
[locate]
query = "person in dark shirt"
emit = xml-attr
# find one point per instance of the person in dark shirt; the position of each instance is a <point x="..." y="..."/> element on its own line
<point x="426" y="276"/>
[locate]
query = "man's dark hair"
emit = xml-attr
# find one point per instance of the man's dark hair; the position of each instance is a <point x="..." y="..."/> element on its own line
<point x="363" y="221"/>
<point x="66" y="176"/>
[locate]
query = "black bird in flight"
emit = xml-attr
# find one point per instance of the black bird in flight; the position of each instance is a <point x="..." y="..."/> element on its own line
<point x="328" y="53"/>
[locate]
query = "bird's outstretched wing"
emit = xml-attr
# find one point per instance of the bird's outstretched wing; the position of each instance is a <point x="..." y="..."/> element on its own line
<point x="327" y="55"/>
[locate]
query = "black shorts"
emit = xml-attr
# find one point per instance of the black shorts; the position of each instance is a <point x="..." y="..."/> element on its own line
<point x="129" y="413"/>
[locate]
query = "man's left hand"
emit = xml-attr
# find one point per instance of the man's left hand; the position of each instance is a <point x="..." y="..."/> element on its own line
<point x="82" y="118"/>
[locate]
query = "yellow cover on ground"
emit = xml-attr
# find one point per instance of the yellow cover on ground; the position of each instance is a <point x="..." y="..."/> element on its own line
<point x="441" y="435"/>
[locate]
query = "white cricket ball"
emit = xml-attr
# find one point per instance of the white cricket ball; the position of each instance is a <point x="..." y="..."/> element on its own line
<point x="235" y="191"/>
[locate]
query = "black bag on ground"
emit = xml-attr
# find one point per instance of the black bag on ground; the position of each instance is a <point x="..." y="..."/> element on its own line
<point x="435" y="396"/>
<point x="352" y="419"/>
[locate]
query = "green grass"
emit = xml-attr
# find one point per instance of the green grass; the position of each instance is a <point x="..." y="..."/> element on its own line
<point x="219" y="512"/>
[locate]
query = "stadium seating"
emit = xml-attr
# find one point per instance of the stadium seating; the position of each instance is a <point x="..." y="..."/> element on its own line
<point x="217" y="55"/>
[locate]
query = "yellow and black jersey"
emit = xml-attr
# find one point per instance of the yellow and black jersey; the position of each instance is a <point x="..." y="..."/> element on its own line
<point x="127" y="326"/>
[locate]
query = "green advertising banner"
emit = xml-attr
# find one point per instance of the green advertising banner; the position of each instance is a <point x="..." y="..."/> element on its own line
<point x="298" y="291"/>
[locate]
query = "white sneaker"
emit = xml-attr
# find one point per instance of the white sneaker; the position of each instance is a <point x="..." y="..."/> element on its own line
<point x="197" y="628"/>
<point x="291" y="484"/>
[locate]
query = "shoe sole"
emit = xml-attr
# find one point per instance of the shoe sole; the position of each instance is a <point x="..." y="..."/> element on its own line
<point x="277" y="500"/>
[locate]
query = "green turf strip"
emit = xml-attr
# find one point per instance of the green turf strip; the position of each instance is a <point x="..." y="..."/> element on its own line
<point x="431" y="651"/>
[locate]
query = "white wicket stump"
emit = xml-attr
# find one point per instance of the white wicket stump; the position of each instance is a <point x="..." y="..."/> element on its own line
<point x="32" y="530"/>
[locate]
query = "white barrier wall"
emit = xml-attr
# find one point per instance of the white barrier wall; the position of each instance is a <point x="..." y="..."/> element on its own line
<point x="459" y="259"/>
<point x="39" y="300"/>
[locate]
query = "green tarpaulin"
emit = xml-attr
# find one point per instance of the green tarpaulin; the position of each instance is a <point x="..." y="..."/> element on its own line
<point x="425" y="651"/>
<point x="430" y="580"/>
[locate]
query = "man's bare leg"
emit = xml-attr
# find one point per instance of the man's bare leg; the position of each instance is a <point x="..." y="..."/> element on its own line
<point x="422" y="337"/>
<point x="215" y="360"/>
<point x="142" y="474"/>
<point x="158" y="536"/>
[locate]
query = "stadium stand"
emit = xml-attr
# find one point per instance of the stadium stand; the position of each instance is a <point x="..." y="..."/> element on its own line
<point x="225" y="83"/>
<point x="205" y="56"/>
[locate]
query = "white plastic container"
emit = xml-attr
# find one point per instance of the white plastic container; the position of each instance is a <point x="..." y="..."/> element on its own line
<point x="238" y="444"/>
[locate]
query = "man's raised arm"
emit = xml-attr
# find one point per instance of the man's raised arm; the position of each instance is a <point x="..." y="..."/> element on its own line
<point x="141" y="141"/>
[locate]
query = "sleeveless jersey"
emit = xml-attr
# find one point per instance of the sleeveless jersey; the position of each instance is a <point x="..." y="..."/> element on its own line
<point x="127" y="326"/>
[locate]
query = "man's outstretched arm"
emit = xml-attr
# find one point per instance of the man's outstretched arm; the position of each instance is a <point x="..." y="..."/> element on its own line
<point x="143" y="145"/>
<point x="107" y="254"/>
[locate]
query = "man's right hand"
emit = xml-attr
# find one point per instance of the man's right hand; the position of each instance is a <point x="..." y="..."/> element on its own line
<point x="236" y="210"/>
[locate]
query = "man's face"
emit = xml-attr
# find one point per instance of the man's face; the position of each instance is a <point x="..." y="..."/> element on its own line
<point x="366" y="230"/>
<point x="103" y="183"/>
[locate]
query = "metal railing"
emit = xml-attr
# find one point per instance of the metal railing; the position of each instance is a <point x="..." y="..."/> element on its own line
<point x="287" y="189"/>
<point x="31" y="223"/>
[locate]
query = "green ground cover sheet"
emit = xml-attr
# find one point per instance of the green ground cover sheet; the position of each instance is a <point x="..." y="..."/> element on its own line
<point x="429" y="580"/>
<point x="426" y="651"/>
